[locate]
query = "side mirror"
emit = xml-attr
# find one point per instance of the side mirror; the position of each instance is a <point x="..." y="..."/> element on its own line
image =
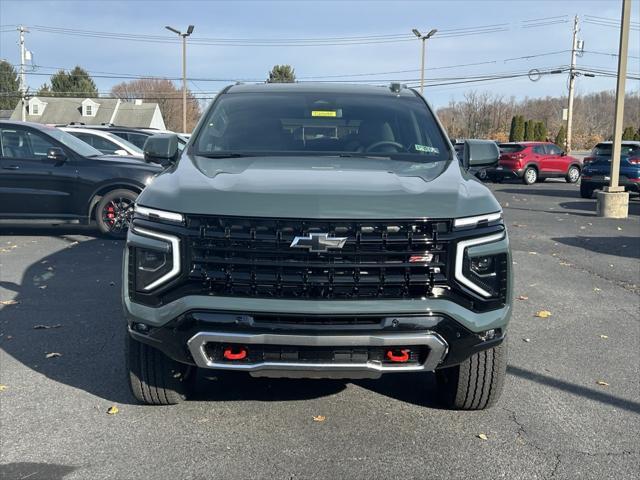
<point x="563" y="154"/>
<point x="120" y="152"/>
<point x="56" y="154"/>
<point x="480" y="153"/>
<point x="161" y="148"/>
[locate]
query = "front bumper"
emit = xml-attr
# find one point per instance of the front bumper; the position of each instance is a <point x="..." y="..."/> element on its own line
<point x="441" y="332"/>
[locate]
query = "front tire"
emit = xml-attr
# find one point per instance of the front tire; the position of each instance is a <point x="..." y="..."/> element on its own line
<point x="476" y="383"/>
<point x="530" y="176"/>
<point x="114" y="212"/>
<point x="154" y="378"/>
<point x="573" y="174"/>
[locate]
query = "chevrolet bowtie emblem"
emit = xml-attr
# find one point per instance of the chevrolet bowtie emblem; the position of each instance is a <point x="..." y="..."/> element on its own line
<point x="318" y="242"/>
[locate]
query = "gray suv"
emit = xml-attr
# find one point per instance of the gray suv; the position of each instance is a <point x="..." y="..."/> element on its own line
<point x="318" y="231"/>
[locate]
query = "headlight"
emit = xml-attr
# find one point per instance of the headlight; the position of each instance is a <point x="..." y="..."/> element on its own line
<point x="153" y="213"/>
<point x="484" y="274"/>
<point x="156" y="266"/>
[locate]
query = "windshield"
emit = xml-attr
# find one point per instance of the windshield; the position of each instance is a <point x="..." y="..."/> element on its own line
<point x="73" y="143"/>
<point x="400" y="127"/>
<point x="605" y="149"/>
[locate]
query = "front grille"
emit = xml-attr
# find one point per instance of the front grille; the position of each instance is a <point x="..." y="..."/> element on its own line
<point x="252" y="257"/>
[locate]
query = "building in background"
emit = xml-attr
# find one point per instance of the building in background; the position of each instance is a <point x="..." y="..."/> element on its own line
<point x="92" y="111"/>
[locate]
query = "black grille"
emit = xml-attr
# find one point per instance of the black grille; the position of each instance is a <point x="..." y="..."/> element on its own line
<point x="252" y="257"/>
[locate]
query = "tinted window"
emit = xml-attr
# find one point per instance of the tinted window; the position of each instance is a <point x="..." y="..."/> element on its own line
<point x="24" y="144"/>
<point x="321" y="123"/>
<point x="539" y="149"/>
<point x="553" y="150"/>
<point x="605" y="149"/>
<point x="137" y="139"/>
<point x="510" y="147"/>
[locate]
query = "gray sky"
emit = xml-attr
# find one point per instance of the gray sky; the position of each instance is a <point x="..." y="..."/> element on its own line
<point x="232" y="41"/>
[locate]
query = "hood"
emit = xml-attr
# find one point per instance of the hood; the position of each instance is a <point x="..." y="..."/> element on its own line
<point x="318" y="187"/>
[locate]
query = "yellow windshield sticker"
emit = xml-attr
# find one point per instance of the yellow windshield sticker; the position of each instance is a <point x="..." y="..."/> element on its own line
<point x="324" y="113"/>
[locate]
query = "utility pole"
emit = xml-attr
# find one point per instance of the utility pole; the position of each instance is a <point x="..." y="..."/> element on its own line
<point x="184" y="71"/>
<point x="424" y="39"/>
<point x="613" y="202"/>
<point x="572" y="79"/>
<point x="23" y="81"/>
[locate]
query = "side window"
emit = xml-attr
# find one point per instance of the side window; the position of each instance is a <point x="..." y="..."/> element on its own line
<point x="105" y="146"/>
<point x="85" y="137"/>
<point x="137" y="139"/>
<point x="539" y="149"/>
<point x="553" y="150"/>
<point x="22" y="144"/>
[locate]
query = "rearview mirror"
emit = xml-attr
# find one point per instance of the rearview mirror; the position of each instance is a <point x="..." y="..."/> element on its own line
<point x="480" y="153"/>
<point x="161" y="148"/>
<point x="56" y="154"/>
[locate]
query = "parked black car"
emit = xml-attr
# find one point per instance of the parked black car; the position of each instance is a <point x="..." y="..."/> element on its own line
<point x="47" y="174"/>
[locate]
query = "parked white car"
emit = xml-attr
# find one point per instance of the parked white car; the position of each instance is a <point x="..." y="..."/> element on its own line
<point x="106" y="142"/>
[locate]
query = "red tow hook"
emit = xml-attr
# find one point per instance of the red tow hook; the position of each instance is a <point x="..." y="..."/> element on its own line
<point x="401" y="357"/>
<point x="229" y="353"/>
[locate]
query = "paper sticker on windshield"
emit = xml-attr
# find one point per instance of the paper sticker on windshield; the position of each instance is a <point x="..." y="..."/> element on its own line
<point x="426" y="149"/>
<point x="324" y="113"/>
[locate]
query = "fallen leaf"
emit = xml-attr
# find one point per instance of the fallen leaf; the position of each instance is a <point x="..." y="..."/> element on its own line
<point x="565" y="264"/>
<point x="112" y="410"/>
<point x="604" y="337"/>
<point x="482" y="436"/>
<point x="53" y="355"/>
<point x="43" y="262"/>
<point x="543" y="314"/>
<point x="602" y="383"/>
<point x="50" y="269"/>
<point x="112" y="284"/>
<point x="9" y="302"/>
<point x="526" y="340"/>
<point x="42" y="287"/>
<point x="46" y="327"/>
<point x="3" y="388"/>
<point x="522" y="297"/>
<point x="596" y="289"/>
<point x="619" y="228"/>
<point x="319" y="418"/>
<point x="533" y="253"/>
<point x="9" y="337"/>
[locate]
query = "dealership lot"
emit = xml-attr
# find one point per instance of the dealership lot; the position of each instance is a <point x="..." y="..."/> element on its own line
<point x="571" y="407"/>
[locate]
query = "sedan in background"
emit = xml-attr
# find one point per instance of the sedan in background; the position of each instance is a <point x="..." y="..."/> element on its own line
<point x="597" y="168"/>
<point x="106" y="142"/>
<point x="534" y="161"/>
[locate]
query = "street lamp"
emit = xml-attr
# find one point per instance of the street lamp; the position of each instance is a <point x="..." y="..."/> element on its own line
<point x="184" y="71"/>
<point x="424" y="39"/>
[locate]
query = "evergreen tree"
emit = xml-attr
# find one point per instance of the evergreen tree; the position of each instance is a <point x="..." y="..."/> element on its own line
<point x="539" y="132"/>
<point x="528" y="131"/>
<point x="628" y="133"/>
<point x="561" y="137"/>
<point x="518" y="134"/>
<point x="636" y="136"/>
<point x="9" y="86"/>
<point x="282" y="74"/>
<point x="76" y="83"/>
<point x="512" y="130"/>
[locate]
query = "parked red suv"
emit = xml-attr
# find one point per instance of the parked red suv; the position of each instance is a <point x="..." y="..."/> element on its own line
<point x="535" y="161"/>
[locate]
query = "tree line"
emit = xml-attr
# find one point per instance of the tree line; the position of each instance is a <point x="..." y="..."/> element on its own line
<point x="487" y="115"/>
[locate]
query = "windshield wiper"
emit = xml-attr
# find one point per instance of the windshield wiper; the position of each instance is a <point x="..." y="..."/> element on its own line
<point x="223" y="155"/>
<point x="363" y="155"/>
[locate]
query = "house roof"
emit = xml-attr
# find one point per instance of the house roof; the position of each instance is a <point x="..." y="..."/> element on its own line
<point x="5" y="114"/>
<point x="65" y="110"/>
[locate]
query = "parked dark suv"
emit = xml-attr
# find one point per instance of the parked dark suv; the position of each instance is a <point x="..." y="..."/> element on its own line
<point x="47" y="174"/>
<point x="314" y="230"/>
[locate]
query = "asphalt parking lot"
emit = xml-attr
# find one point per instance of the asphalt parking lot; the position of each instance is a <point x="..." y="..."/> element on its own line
<point x="571" y="407"/>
